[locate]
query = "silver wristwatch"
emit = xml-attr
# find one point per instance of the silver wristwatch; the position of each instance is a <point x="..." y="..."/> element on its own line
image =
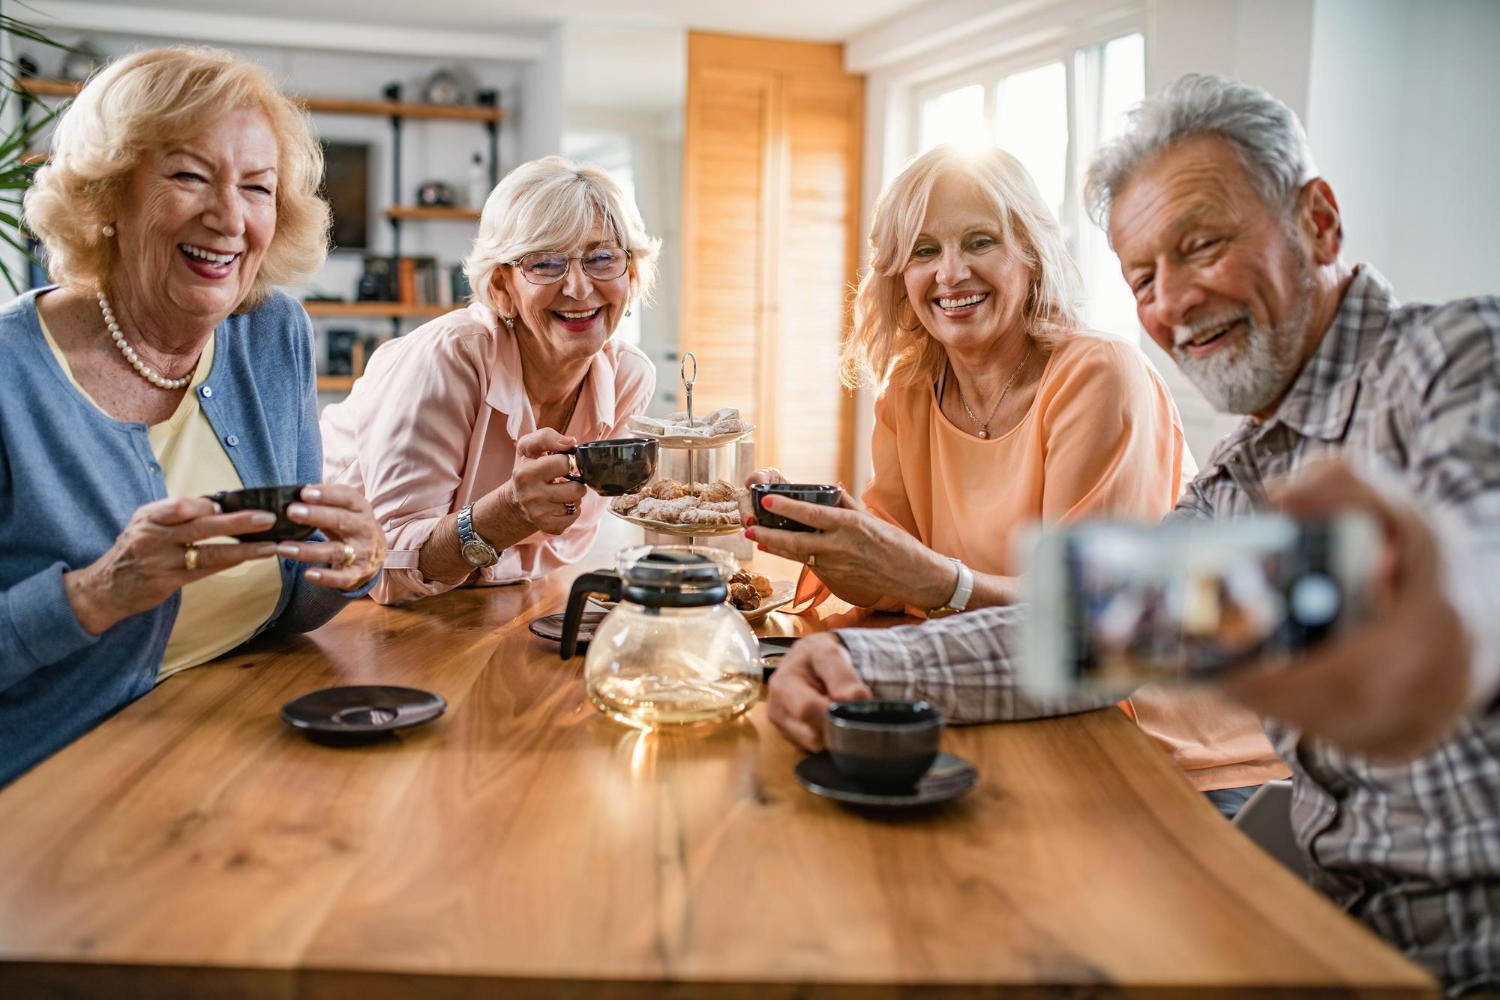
<point x="475" y="550"/>
<point x="961" y="593"/>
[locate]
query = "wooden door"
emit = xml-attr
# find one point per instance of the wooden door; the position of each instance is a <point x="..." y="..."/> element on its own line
<point x="770" y="233"/>
<point x="726" y="197"/>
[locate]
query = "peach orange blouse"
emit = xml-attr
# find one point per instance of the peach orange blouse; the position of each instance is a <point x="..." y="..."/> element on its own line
<point x="433" y="424"/>
<point x="1102" y="439"/>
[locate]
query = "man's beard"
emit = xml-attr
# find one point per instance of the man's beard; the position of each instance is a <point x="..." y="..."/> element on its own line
<point x="1251" y="378"/>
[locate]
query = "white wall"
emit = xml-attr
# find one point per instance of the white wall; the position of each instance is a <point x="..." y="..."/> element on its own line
<point x="1402" y="119"/>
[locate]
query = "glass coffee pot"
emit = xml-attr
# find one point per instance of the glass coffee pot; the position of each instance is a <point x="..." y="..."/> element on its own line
<point x="672" y="652"/>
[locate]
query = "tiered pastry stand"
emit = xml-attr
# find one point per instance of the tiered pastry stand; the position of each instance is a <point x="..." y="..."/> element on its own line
<point x="683" y="453"/>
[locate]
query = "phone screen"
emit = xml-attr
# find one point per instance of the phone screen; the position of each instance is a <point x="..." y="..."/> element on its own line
<point x="1115" y="606"/>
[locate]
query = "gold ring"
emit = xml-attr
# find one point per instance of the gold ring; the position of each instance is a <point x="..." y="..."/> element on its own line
<point x="812" y="561"/>
<point x="571" y="508"/>
<point x="190" y="558"/>
<point x="349" y="557"/>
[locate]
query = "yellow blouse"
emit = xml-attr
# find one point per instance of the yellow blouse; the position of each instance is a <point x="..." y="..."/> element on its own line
<point x="220" y="611"/>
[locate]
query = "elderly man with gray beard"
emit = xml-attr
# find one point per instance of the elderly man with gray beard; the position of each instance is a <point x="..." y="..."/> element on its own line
<point x="1231" y="244"/>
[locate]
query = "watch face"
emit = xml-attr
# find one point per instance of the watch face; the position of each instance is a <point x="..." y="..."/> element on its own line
<point x="477" y="553"/>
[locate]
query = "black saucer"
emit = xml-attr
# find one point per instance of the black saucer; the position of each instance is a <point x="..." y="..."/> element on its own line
<point x="360" y="713"/>
<point x="551" y="627"/>
<point x="948" y="778"/>
<point x="773" y="648"/>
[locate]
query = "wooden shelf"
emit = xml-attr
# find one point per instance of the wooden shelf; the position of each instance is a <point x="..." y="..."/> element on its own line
<point x="48" y="88"/>
<point x="432" y="212"/>
<point x="336" y="383"/>
<point x="456" y="112"/>
<point x="327" y="105"/>
<point x="375" y="310"/>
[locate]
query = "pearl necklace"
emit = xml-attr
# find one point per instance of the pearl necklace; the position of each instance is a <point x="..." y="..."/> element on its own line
<point x="984" y="428"/>
<point x="146" y="371"/>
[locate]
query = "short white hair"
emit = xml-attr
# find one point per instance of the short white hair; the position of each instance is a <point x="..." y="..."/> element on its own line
<point x="551" y="204"/>
<point x="1263" y="131"/>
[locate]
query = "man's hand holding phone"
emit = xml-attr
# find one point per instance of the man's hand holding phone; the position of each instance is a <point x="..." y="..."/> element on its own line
<point x="1396" y="683"/>
<point x="1332" y="615"/>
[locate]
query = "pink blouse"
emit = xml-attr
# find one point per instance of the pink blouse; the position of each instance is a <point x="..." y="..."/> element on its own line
<point x="433" y="424"/>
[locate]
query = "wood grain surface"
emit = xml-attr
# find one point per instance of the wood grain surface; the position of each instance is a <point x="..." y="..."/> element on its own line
<point x="523" y="845"/>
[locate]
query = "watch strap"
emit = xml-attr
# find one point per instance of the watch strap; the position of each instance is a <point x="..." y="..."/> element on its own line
<point x="962" y="591"/>
<point x="468" y="537"/>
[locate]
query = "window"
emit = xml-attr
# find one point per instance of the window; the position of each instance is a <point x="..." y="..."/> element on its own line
<point x="1052" y="110"/>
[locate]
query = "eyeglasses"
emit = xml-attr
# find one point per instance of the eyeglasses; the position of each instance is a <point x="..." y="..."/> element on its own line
<point x="547" y="267"/>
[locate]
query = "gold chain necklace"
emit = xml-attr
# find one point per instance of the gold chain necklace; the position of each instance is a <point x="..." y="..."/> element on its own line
<point x="984" y="428"/>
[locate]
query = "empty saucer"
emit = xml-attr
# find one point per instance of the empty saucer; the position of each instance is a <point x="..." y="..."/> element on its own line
<point x="948" y="778"/>
<point x="773" y="648"/>
<point x="551" y="626"/>
<point x="361" y="712"/>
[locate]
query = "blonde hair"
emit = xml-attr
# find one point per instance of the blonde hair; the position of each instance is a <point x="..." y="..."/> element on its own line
<point x="551" y="204"/>
<point x="888" y="345"/>
<point x="149" y="101"/>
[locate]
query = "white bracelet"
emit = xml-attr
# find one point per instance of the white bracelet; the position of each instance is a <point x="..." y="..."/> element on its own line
<point x="961" y="592"/>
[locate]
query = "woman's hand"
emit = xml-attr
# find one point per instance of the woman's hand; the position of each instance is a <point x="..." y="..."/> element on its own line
<point x="537" y="492"/>
<point x="747" y="501"/>
<point x="857" y="555"/>
<point x="355" y="549"/>
<point x="149" y="560"/>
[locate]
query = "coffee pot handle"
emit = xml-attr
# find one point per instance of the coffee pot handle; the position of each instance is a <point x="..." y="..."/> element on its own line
<point x="573" y="472"/>
<point x="608" y="584"/>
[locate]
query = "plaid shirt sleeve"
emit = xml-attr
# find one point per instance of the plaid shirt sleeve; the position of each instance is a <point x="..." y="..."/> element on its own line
<point x="964" y="665"/>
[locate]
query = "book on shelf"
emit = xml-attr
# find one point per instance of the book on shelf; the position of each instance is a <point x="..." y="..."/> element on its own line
<point x="412" y="281"/>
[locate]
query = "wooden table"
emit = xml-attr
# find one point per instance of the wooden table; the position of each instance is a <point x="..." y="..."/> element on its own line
<point x="525" y="846"/>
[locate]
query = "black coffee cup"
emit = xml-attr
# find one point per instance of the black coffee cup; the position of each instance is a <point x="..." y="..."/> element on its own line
<point x="615" y="467"/>
<point x="828" y="496"/>
<point x="275" y="499"/>
<point x="883" y="745"/>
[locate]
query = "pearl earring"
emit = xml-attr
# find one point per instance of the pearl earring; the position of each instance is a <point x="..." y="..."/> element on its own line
<point x="109" y="229"/>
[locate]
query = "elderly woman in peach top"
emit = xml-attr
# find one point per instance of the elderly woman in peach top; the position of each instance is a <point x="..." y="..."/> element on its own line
<point x="454" y="431"/>
<point x="996" y="411"/>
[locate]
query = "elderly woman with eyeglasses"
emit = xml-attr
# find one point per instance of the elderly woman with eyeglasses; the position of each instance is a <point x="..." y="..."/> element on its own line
<point x="455" y="430"/>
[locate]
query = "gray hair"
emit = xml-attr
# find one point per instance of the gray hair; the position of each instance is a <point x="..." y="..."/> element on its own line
<point x="549" y="204"/>
<point x="1263" y="131"/>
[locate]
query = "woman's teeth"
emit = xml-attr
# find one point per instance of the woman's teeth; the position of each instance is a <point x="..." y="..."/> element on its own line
<point x="208" y="255"/>
<point x="576" y="316"/>
<point x="963" y="303"/>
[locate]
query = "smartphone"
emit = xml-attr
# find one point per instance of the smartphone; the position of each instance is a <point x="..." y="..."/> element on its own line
<point x="1115" y="606"/>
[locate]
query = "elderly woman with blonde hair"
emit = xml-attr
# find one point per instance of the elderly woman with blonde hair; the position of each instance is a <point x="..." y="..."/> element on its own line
<point x="456" y="430"/>
<point x="161" y="367"/>
<point x="996" y="411"/>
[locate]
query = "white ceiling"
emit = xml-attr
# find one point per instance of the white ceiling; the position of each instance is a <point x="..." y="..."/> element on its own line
<point x="823" y="20"/>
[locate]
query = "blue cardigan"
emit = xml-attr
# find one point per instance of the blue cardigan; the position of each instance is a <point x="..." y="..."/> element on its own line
<point x="70" y="479"/>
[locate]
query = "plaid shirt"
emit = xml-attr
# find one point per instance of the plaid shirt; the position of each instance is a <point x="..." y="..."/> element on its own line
<point x="1412" y="395"/>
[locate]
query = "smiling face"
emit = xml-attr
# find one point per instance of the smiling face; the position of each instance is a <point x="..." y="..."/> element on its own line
<point x="966" y="287"/>
<point x="196" y="222"/>
<point x="1221" y="281"/>
<point x="569" y="319"/>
